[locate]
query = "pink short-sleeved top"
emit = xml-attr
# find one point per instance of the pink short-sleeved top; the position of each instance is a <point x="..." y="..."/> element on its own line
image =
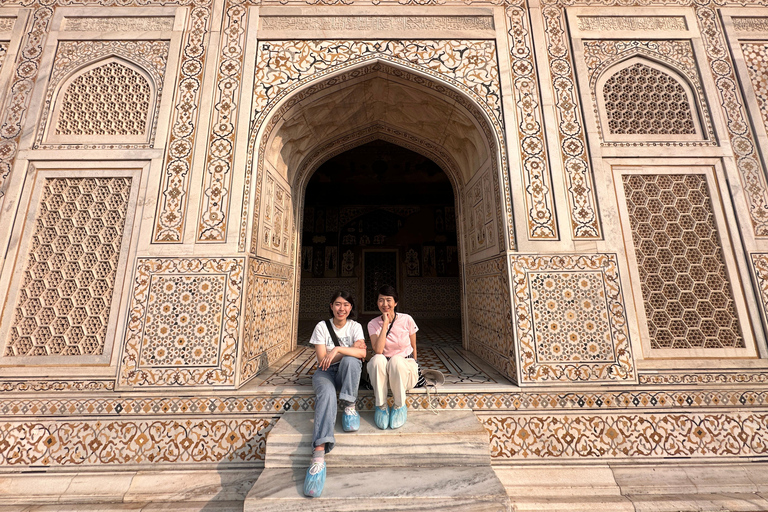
<point x="399" y="340"/>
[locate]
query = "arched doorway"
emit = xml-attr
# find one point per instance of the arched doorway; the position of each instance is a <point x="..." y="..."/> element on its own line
<point x="381" y="101"/>
<point x="381" y="214"/>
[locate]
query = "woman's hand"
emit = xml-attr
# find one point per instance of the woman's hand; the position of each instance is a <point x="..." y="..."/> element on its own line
<point x="327" y="360"/>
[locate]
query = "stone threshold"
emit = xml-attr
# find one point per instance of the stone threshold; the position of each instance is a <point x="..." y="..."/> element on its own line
<point x="659" y="487"/>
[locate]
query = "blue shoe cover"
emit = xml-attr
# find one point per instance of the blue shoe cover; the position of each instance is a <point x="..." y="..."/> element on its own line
<point x="315" y="480"/>
<point x="381" y="417"/>
<point x="350" y="421"/>
<point x="398" y="417"/>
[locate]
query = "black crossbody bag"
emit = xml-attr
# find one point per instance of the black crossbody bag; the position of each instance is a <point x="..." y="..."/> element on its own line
<point x="365" y="381"/>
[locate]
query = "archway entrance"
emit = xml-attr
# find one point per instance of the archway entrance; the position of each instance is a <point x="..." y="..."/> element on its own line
<point x="324" y="157"/>
<point x="382" y="214"/>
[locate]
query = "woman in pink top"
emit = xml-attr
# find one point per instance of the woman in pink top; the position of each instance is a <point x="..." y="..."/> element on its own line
<point x="393" y="336"/>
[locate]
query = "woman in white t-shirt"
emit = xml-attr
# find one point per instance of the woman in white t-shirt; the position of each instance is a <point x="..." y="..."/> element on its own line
<point x="393" y="366"/>
<point x="338" y="369"/>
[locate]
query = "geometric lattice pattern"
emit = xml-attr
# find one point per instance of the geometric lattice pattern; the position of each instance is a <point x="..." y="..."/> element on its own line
<point x="184" y="311"/>
<point x="640" y="99"/>
<point x="66" y="291"/>
<point x="112" y="99"/>
<point x="570" y="319"/>
<point x="184" y="323"/>
<point x="566" y="306"/>
<point x="756" y="59"/>
<point x="268" y="316"/>
<point x="687" y="296"/>
<point x="488" y="320"/>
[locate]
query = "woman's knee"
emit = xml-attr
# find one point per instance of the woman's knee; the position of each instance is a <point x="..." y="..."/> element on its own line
<point x="377" y="361"/>
<point x="349" y="362"/>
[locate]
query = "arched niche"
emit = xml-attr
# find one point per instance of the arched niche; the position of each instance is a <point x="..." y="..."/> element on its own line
<point x="109" y="98"/>
<point x="640" y="99"/>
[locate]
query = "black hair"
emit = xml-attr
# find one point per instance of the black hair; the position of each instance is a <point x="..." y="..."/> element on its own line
<point x="347" y="296"/>
<point x="389" y="291"/>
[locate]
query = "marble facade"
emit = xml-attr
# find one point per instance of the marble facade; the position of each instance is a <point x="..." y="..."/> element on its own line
<point x="608" y="165"/>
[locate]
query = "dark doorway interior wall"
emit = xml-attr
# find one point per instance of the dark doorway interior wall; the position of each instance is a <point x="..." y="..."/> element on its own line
<point x="377" y="213"/>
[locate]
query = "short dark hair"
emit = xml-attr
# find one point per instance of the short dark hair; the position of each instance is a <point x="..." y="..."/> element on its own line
<point x="389" y="291"/>
<point x="347" y="296"/>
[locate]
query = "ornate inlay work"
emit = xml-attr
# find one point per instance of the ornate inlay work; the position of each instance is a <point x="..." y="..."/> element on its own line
<point x="267" y="317"/>
<point x="172" y="203"/>
<point x="664" y="107"/>
<point x="117" y="23"/>
<point x="489" y="320"/>
<point x="627" y="436"/>
<point x="570" y="319"/>
<point x="220" y="152"/>
<point x="65" y="295"/>
<point x="750" y="24"/>
<point x="572" y="402"/>
<point x="6" y="24"/>
<point x="756" y="59"/>
<point x="277" y="222"/>
<point x="533" y="147"/>
<point x="760" y="263"/>
<point x="17" y="98"/>
<point x="3" y="51"/>
<point x="632" y="23"/>
<point x="368" y="23"/>
<point x="739" y="130"/>
<point x="585" y="223"/>
<point x="183" y="324"/>
<point x="683" y="277"/>
<point x="481" y="206"/>
<point x="145" y="442"/>
<point x="45" y="386"/>
<point x="467" y="65"/>
<point x="109" y="100"/>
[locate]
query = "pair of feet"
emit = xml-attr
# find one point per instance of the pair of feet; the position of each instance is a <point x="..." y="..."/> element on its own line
<point x="315" y="479"/>
<point x="390" y="417"/>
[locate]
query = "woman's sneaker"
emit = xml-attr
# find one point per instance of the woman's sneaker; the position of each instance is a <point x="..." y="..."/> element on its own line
<point x="398" y="417"/>
<point x="350" y="421"/>
<point x="315" y="480"/>
<point x="381" y="417"/>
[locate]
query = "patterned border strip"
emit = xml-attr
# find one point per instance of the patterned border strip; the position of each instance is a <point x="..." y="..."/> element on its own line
<point x="601" y="54"/>
<point x="627" y="436"/>
<point x="18" y="97"/>
<point x="532" y="371"/>
<point x="56" y="385"/>
<point x="739" y="130"/>
<point x="137" y="405"/>
<point x="723" y="377"/>
<point x="131" y="372"/>
<point x="533" y="147"/>
<point x="760" y="264"/>
<point x="169" y="220"/>
<point x="212" y="225"/>
<point x="585" y="223"/>
<point x="134" y="442"/>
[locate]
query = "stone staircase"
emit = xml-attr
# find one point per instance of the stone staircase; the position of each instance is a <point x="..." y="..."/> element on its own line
<point x="434" y="462"/>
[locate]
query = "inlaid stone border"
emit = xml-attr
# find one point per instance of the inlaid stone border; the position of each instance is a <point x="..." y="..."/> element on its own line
<point x="134" y="371"/>
<point x="535" y="332"/>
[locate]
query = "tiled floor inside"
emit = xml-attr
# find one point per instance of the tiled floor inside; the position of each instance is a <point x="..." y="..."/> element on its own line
<point x="439" y="344"/>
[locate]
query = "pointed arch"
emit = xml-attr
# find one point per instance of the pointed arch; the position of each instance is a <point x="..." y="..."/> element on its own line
<point x="641" y="99"/>
<point x="111" y="97"/>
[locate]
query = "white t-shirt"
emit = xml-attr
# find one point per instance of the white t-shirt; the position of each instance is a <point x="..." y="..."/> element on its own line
<point x="348" y="335"/>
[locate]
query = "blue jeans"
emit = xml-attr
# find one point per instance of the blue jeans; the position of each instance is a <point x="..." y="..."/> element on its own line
<point x="343" y="376"/>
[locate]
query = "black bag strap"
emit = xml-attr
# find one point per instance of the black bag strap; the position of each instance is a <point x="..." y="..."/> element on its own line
<point x="333" y="333"/>
<point x="390" y="326"/>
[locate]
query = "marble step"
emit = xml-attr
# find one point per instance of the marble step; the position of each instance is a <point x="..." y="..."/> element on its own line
<point x="427" y="439"/>
<point x="465" y="488"/>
